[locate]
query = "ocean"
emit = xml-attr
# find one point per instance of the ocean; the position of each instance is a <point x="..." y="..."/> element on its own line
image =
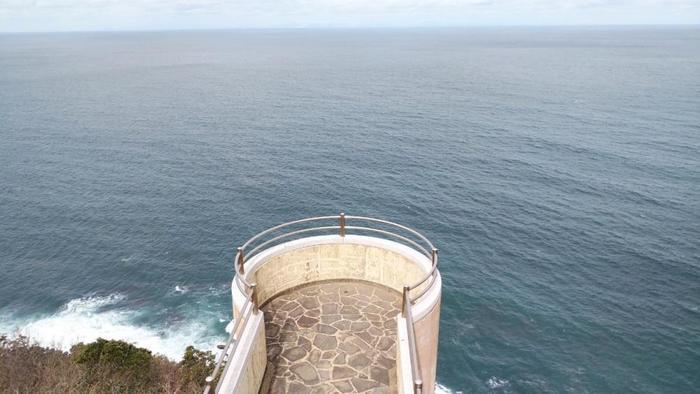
<point x="556" y="169"/>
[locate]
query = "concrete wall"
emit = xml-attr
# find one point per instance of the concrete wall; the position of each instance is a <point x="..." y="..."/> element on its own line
<point x="427" y="332"/>
<point x="388" y="263"/>
<point x="334" y="261"/>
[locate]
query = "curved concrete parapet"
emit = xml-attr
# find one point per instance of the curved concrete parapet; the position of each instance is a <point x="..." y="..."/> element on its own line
<point x="352" y="257"/>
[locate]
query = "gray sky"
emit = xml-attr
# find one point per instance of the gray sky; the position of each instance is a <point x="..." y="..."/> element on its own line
<point x="69" y="15"/>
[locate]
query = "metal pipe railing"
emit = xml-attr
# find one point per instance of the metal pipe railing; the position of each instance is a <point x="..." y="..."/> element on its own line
<point x="279" y="226"/>
<point x="390" y="234"/>
<point x="407" y="314"/>
<point x="258" y="243"/>
<point x="249" y="307"/>
<point x="290" y="234"/>
<point x="245" y="253"/>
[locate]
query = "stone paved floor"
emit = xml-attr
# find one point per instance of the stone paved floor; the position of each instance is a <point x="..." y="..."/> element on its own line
<point x="332" y="337"/>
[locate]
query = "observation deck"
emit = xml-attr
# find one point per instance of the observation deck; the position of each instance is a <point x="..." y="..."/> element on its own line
<point x="332" y="304"/>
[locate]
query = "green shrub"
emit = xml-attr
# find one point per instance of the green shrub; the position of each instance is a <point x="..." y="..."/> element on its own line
<point x="118" y="355"/>
<point x="195" y="366"/>
<point x="115" y="366"/>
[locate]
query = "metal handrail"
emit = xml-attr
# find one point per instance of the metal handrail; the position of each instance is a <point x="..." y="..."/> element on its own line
<point x="431" y="275"/>
<point x="249" y="307"/>
<point x="407" y="312"/>
<point x="286" y="235"/>
<point x="389" y="233"/>
<point x="279" y="226"/>
<point x="410" y="230"/>
<point x="254" y="246"/>
<point x="243" y="255"/>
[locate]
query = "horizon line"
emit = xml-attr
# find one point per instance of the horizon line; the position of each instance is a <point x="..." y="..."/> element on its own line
<point x="407" y="27"/>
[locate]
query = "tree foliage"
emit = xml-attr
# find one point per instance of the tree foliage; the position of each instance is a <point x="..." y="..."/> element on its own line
<point x="103" y="366"/>
<point x="196" y="365"/>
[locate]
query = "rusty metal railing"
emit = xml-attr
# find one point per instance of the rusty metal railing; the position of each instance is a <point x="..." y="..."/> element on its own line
<point x="341" y="225"/>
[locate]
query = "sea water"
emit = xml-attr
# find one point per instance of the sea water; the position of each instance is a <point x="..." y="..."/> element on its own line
<point x="556" y="169"/>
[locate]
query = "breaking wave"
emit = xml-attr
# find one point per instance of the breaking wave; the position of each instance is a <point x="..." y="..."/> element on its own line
<point x="86" y="319"/>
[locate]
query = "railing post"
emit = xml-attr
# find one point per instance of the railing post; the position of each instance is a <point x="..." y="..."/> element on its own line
<point x="241" y="270"/>
<point x="342" y="224"/>
<point x="209" y="379"/>
<point x="418" y="386"/>
<point x="254" y="297"/>
<point x="435" y="256"/>
<point x="404" y="301"/>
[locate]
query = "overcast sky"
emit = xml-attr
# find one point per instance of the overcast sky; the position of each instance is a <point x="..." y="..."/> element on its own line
<point x="69" y="15"/>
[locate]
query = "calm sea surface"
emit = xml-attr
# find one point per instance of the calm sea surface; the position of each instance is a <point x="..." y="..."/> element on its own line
<point x="558" y="171"/>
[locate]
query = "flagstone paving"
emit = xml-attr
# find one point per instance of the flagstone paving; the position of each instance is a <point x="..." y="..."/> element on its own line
<point x="332" y="337"/>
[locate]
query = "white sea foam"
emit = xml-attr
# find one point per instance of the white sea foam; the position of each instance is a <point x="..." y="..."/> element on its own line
<point x="440" y="389"/>
<point x="229" y="326"/>
<point x="181" y="289"/>
<point x="495" y="382"/>
<point x="84" y="320"/>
